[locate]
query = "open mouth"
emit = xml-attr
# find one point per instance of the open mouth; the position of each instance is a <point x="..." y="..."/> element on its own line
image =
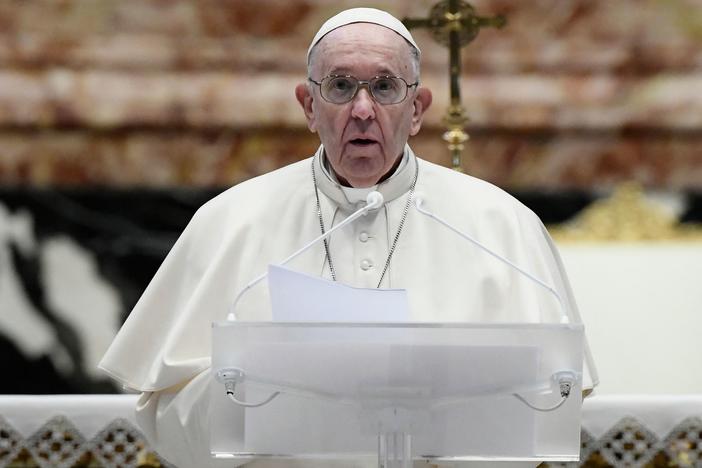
<point x="362" y="142"/>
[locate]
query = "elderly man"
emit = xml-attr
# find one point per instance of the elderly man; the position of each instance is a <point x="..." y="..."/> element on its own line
<point x="363" y="97"/>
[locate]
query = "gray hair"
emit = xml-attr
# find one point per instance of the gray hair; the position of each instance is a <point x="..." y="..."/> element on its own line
<point x="414" y="60"/>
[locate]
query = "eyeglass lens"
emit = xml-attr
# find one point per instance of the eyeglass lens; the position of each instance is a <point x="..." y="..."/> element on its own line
<point x="385" y="90"/>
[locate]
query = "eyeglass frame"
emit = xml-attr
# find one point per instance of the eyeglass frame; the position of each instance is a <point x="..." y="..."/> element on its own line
<point x="364" y="84"/>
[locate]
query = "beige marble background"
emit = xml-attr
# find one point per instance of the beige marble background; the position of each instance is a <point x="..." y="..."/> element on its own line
<point x="571" y="94"/>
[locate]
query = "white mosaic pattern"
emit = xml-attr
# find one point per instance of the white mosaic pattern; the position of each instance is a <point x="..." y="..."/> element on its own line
<point x="684" y="443"/>
<point x="10" y="442"/>
<point x="118" y="445"/>
<point x="629" y="444"/>
<point x="58" y="444"/>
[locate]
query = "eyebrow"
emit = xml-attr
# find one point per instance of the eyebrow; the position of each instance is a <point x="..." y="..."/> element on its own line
<point x="346" y="71"/>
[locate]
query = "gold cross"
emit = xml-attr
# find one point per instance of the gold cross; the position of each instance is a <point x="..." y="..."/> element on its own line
<point x="454" y="24"/>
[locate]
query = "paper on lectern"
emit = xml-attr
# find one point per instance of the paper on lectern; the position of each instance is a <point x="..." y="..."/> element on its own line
<point x="298" y="297"/>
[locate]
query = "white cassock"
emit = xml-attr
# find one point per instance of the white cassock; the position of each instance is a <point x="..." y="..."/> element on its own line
<point x="163" y="349"/>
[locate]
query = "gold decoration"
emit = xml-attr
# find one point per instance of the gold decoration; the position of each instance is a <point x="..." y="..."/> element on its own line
<point x="147" y="459"/>
<point x="626" y="216"/>
<point x="454" y="24"/>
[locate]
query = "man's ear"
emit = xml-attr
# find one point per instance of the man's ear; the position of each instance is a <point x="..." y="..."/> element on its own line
<point x="422" y="101"/>
<point x="305" y="98"/>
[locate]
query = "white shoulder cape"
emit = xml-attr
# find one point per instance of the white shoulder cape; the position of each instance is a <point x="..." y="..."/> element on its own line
<point x="165" y="342"/>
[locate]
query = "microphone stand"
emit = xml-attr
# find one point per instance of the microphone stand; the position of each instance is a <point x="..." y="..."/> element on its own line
<point x="565" y="317"/>
<point x="374" y="200"/>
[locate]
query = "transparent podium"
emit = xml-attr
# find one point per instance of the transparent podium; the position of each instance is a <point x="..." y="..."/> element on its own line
<point x="396" y="392"/>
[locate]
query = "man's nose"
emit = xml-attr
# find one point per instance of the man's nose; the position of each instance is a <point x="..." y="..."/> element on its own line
<point x="363" y="105"/>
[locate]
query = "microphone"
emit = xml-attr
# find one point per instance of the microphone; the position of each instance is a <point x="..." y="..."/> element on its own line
<point x="564" y="379"/>
<point x="566" y="316"/>
<point x="419" y="202"/>
<point x="374" y="200"/>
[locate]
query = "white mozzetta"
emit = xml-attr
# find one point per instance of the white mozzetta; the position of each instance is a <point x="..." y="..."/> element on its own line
<point x="163" y="350"/>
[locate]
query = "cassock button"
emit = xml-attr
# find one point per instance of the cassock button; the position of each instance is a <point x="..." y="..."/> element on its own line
<point x="366" y="265"/>
<point x="363" y="237"/>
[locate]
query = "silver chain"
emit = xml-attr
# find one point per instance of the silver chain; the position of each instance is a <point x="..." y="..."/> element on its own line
<point x="321" y="223"/>
<point x="397" y="234"/>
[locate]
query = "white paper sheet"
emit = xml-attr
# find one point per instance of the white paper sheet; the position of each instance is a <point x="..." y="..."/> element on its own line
<point x="298" y="297"/>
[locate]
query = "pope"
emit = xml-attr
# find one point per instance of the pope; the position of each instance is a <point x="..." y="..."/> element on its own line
<point x="364" y="98"/>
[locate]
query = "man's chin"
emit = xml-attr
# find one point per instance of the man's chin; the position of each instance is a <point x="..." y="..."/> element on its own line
<point x="371" y="151"/>
<point x="360" y="169"/>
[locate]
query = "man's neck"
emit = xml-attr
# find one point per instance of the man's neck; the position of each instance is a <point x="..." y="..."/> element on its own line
<point x="342" y="181"/>
<point x="394" y="184"/>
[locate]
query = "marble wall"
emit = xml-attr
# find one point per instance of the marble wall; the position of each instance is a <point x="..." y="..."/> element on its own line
<point x="73" y="263"/>
<point x="571" y="94"/>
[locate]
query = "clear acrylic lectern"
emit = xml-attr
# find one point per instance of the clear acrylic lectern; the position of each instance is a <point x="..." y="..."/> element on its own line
<point x="396" y="392"/>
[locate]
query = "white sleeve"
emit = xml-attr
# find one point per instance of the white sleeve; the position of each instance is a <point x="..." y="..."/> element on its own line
<point x="175" y="422"/>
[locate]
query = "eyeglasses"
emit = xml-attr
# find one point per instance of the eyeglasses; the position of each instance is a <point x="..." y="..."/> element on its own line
<point x="340" y="89"/>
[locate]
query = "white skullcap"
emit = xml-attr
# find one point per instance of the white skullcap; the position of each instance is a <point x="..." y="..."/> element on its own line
<point x="362" y="15"/>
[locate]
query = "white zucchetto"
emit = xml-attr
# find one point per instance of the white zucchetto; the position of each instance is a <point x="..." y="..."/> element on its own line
<point x="362" y="15"/>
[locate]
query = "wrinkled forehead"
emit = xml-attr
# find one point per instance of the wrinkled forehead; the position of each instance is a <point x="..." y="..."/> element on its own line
<point x="363" y="44"/>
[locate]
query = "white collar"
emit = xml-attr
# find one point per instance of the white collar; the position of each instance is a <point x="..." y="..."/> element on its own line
<point x="347" y="197"/>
